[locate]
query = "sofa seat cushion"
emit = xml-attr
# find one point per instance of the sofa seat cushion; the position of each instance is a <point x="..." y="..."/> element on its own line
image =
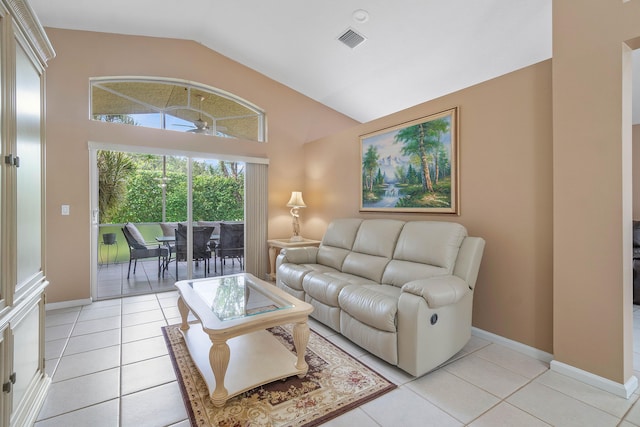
<point x="373" y="305"/>
<point x="292" y="275"/>
<point x="325" y="286"/>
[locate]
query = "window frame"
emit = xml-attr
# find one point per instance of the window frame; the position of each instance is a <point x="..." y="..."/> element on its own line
<point x="190" y="86"/>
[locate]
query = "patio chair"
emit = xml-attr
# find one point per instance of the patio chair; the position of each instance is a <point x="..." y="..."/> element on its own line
<point x="230" y="244"/>
<point x="201" y="249"/>
<point x="139" y="249"/>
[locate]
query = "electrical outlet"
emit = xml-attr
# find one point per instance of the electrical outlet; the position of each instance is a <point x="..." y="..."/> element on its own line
<point x="65" y="210"/>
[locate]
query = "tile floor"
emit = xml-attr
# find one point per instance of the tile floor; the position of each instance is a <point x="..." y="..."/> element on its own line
<point x="112" y="278"/>
<point x="109" y="367"/>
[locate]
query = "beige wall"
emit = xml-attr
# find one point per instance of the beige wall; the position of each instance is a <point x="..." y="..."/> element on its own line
<point x="505" y="187"/>
<point x="592" y="185"/>
<point x="292" y="120"/>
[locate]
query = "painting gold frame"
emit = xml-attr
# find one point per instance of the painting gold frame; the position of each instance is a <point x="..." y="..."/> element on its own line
<point x="412" y="167"/>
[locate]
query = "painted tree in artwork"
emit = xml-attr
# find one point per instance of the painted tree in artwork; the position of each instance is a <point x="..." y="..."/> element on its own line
<point x="369" y="167"/>
<point x="424" y="141"/>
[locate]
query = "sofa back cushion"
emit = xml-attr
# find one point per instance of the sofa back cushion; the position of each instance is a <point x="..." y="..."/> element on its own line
<point x="432" y="245"/>
<point x="337" y="242"/>
<point x="373" y="248"/>
<point x="430" y="242"/>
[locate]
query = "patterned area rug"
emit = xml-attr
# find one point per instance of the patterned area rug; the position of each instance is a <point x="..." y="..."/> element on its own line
<point x="334" y="384"/>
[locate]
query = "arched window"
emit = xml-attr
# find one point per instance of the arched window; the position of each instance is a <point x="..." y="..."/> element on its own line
<point x="176" y="105"/>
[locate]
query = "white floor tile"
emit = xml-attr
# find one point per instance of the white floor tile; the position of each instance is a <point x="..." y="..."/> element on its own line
<point x="505" y="415"/>
<point x="149" y="348"/>
<point x="142" y="317"/>
<point x="474" y="344"/>
<point x="136" y="307"/>
<point x="63" y="318"/>
<point x="168" y="295"/>
<point x="88" y="342"/>
<point x="634" y="414"/>
<point x="155" y="407"/>
<point x="354" y="418"/>
<point x="170" y="312"/>
<point x="402" y="407"/>
<point x="102" y="304"/>
<point x="168" y="302"/>
<point x="100" y="313"/>
<point x="81" y="392"/>
<point x="558" y="409"/>
<point x="608" y="402"/>
<point x="53" y="349"/>
<point x="143" y="331"/>
<point x="88" y="362"/>
<point x="50" y="366"/>
<point x="457" y="397"/>
<point x="146" y="374"/>
<point x="174" y="320"/>
<point x="97" y="325"/>
<point x="486" y="375"/>
<point x="390" y="372"/>
<point x="58" y="332"/>
<point x="101" y="415"/>
<point x="139" y="298"/>
<point x="512" y="360"/>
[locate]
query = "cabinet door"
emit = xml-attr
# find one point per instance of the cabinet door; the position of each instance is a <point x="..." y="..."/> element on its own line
<point x="29" y="172"/>
<point x="29" y="380"/>
<point x="5" y="369"/>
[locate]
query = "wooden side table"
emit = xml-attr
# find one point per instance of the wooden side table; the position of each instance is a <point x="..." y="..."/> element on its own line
<point x="275" y="245"/>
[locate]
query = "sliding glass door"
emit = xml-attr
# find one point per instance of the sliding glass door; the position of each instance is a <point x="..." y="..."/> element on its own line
<point x="172" y="200"/>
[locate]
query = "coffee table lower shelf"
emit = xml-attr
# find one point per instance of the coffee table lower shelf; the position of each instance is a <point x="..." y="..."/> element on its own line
<point x="256" y="358"/>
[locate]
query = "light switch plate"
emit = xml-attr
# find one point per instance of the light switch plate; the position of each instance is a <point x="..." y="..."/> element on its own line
<point x="65" y="210"/>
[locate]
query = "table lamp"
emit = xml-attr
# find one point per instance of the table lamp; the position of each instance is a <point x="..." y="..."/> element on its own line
<point x="296" y="203"/>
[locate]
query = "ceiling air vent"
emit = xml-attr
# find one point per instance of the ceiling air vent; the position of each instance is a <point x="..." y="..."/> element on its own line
<point x="351" y="38"/>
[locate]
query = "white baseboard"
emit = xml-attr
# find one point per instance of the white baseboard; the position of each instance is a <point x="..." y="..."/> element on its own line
<point x="623" y="390"/>
<point x="67" y="304"/>
<point x="543" y="356"/>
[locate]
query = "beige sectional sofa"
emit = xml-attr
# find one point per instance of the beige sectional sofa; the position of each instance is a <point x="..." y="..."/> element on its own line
<point x="401" y="290"/>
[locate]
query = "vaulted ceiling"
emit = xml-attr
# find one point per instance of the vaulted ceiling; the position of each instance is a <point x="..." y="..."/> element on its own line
<point x="414" y="50"/>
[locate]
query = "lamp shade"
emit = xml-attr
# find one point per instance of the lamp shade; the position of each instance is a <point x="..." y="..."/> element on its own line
<point x="296" y="200"/>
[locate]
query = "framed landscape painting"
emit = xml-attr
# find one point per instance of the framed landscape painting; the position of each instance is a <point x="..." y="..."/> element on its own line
<point x="412" y="167"/>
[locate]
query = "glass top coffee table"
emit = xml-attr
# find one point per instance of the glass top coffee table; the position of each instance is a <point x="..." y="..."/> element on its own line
<point x="229" y="343"/>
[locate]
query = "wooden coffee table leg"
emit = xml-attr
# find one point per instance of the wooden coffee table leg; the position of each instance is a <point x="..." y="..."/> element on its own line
<point x="300" y="340"/>
<point x="219" y="358"/>
<point x="184" y="313"/>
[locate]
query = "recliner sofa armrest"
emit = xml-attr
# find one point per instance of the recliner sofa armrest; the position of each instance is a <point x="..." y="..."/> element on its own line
<point x="305" y="255"/>
<point x="438" y="291"/>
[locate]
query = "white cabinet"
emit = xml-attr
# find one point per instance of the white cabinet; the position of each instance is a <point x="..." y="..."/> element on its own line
<point x="24" y="51"/>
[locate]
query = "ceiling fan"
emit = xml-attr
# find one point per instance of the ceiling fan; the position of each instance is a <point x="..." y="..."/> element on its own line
<point x="201" y="126"/>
